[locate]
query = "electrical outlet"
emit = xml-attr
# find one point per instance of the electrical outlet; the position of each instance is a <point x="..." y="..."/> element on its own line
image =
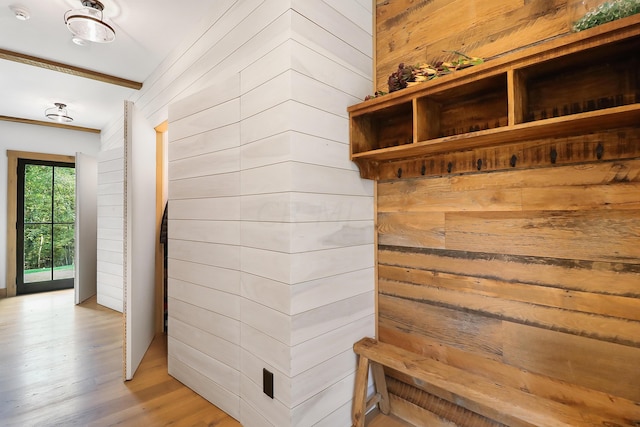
<point x="267" y="383"/>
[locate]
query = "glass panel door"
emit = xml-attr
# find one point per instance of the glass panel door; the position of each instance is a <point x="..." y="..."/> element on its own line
<point x="45" y="228"/>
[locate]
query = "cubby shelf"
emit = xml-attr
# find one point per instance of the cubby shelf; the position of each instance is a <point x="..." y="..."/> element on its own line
<point x="575" y="84"/>
<point x="610" y="118"/>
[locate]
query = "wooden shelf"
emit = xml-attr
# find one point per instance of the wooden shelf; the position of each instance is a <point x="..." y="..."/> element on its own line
<point x="616" y="117"/>
<point x="576" y="84"/>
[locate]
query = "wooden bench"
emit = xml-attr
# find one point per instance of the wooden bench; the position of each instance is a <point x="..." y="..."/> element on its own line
<point x="503" y="404"/>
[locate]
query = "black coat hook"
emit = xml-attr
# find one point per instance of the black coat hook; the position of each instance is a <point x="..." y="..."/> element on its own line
<point x="449" y="167"/>
<point x="479" y="163"/>
<point x="514" y="160"/>
<point x="554" y="155"/>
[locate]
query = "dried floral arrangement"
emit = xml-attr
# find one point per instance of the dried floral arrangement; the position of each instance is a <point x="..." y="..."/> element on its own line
<point x="607" y="12"/>
<point x="409" y="75"/>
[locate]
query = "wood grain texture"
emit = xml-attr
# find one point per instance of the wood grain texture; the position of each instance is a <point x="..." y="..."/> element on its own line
<point x="538" y="384"/>
<point x="411" y="229"/>
<point x="360" y="396"/>
<point x="67" y="69"/>
<point x="590" y="363"/>
<point x="547" y="296"/>
<point x="418" y="416"/>
<point x="597" y="277"/>
<point x="465" y="331"/>
<point x="556" y="234"/>
<point x="426" y="410"/>
<point x="578" y="151"/>
<point x="420" y="31"/>
<point x="476" y="393"/>
<point x="524" y="96"/>
<point x="537" y="285"/>
<point x="517" y="95"/>
<point x="377" y="419"/>
<point x="512" y="253"/>
<point x="70" y="373"/>
<point x="48" y="124"/>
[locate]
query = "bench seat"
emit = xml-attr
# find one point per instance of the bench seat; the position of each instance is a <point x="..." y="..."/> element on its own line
<point x="498" y="402"/>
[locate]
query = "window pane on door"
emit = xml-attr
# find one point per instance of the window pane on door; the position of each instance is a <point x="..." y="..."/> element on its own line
<point x="64" y="200"/>
<point x="37" y="253"/>
<point x="63" y="251"/>
<point x="38" y="190"/>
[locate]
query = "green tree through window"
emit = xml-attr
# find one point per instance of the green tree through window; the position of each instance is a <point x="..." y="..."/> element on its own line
<point x="49" y="221"/>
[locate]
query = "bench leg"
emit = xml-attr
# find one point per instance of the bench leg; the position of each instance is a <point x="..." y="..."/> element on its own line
<point x="381" y="387"/>
<point x="360" y="394"/>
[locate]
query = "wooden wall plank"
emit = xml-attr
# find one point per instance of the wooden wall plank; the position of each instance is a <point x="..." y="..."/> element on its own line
<point x="425" y="230"/>
<point x="558" y="234"/>
<point x="590" y="174"/>
<point x="576" y="151"/>
<point x="607" y="367"/>
<point x="586" y="197"/>
<point x="550" y="296"/>
<point x="578" y="323"/>
<point x="431" y="198"/>
<point x="598" y="277"/>
<point x="467" y="331"/>
<point x="419" y="31"/>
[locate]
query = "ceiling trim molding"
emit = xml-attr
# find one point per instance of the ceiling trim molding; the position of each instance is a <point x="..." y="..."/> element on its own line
<point x="68" y="69"/>
<point x="43" y="123"/>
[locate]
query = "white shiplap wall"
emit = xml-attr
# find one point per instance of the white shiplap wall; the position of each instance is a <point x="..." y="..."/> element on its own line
<point x="307" y="229"/>
<point x="204" y="244"/>
<point x="271" y="228"/>
<point x="110" y="228"/>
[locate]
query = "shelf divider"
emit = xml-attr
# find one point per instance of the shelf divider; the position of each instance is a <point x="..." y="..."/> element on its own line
<point x="517" y="96"/>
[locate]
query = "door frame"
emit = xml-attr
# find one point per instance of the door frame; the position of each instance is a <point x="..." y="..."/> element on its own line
<point x="53" y="284"/>
<point x="12" y="207"/>
<point x="161" y="199"/>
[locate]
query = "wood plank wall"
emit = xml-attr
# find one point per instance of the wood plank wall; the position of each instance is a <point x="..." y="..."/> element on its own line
<point x="529" y="275"/>
<point x="417" y="31"/>
<point x="517" y="274"/>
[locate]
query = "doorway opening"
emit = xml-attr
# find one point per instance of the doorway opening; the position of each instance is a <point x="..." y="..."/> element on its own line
<point x="162" y="184"/>
<point x="45" y="226"/>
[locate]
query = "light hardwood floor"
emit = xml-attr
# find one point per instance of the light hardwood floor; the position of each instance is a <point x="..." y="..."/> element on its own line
<point x="376" y="419"/>
<point x="61" y="365"/>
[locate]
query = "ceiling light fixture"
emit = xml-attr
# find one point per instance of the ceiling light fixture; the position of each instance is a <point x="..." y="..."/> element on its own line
<point x="77" y="40"/>
<point x="20" y="12"/>
<point x="58" y="113"/>
<point x="87" y="23"/>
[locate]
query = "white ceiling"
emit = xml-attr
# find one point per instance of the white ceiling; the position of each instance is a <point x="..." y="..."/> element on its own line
<point x="146" y="32"/>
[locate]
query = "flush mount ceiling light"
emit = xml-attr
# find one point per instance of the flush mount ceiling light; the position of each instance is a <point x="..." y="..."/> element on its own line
<point x="87" y="23"/>
<point x="20" y="12"/>
<point x="77" y="40"/>
<point x="58" y="113"/>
